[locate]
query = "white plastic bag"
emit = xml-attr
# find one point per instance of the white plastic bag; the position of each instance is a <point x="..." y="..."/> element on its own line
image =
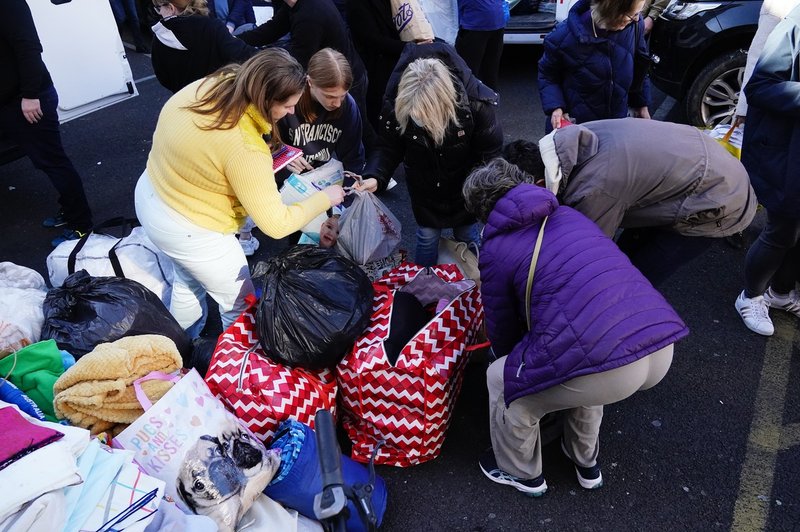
<point x="22" y="292"/>
<point x="368" y="231"/>
<point x="139" y="260"/>
<point x="298" y="187"/>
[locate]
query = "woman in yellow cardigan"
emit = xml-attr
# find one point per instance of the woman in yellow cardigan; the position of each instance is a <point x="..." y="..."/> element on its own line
<point x="209" y="168"/>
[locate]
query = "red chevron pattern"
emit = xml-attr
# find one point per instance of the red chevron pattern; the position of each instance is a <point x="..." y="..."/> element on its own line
<point x="260" y="392"/>
<point x="409" y="404"/>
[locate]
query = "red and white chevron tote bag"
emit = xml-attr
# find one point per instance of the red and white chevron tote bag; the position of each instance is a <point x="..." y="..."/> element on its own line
<point x="259" y="391"/>
<point x="409" y="404"/>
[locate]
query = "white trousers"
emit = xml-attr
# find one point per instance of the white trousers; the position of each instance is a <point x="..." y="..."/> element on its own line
<point x="206" y="262"/>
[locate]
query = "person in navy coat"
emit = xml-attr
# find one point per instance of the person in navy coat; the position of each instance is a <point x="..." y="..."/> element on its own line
<point x="588" y="68"/>
<point x="771" y="154"/>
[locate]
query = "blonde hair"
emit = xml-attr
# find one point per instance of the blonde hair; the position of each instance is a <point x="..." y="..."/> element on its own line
<point x="427" y="95"/>
<point x="327" y="69"/>
<point x="187" y="7"/>
<point x="269" y="77"/>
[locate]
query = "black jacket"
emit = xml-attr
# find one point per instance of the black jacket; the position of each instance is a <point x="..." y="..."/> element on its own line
<point x="187" y="48"/>
<point x="771" y="146"/>
<point x="24" y="74"/>
<point x="312" y="25"/>
<point x="375" y="37"/>
<point x="435" y="175"/>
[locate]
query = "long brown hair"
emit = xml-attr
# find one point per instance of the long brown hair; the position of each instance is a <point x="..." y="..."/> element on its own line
<point x="327" y="69"/>
<point x="268" y="78"/>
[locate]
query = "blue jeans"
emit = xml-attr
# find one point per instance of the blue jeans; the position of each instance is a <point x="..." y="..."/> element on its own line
<point x="41" y="142"/>
<point x="427" y="253"/>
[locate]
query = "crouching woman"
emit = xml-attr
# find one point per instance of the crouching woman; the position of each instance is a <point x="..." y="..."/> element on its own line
<point x="574" y="328"/>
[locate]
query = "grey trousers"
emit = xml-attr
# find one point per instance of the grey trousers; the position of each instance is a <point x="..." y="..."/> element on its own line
<point x="515" y="430"/>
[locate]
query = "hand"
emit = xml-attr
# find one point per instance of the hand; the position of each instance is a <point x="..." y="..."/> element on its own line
<point x="369" y="184"/>
<point x="31" y="110"/>
<point x="335" y="194"/>
<point x="738" y="120"/>
<point x="648" y="25"/>
<point x="329" y="232"/>
<point x="555" y="118"/>
<point x="299" y="165"/>
<point x="641" y="112"/>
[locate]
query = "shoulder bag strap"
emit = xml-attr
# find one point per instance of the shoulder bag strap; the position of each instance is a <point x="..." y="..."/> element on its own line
<point x="534" y="258"/>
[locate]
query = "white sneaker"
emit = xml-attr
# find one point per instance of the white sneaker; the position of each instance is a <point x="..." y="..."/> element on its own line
<point x="249" y="246"/>
<point x="790" y="303"/>
<point x="755" y="313"/>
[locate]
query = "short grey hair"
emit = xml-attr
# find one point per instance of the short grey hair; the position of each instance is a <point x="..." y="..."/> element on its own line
<point x="487" y="184"/>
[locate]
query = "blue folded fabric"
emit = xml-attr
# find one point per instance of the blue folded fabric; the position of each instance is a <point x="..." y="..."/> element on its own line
<point x="299" y="479"/>
<point x="11" y="394"/>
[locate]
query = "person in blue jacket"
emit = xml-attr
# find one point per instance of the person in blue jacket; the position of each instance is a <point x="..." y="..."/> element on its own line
<point x="771" y="154"/>
<point x="587" y="69"/>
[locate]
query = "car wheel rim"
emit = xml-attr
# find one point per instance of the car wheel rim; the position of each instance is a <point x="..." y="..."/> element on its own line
<point x="721" y="97"/>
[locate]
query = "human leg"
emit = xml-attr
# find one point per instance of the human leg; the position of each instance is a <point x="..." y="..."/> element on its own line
<point x="781" y="293"/>
<point x="471" y="46"/>
<point x="41" y="142"/>
<point x="604" y="388"/>
<point x="208" y="261"/>
<point x="515" y="429"/>
<point x="771" y="259"/>
<point x="427" y="252"/>
<point x="766" y="256"/>
<point x="512" y="448"/>
<point x="490" y="66"/>
<point x="468" y="233"/>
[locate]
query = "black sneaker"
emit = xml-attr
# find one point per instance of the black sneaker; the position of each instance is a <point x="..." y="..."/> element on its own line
<point x="534" y="487"/>
<point x="55" y="221"/>
<point x="590" y="478"/>
<point x="69" y="234"/>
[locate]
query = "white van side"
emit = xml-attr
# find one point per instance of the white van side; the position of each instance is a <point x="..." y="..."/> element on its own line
<point x="84" y="54"/>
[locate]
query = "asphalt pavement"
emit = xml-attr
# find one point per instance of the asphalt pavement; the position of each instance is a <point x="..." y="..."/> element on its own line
<point x="715" y="446"/>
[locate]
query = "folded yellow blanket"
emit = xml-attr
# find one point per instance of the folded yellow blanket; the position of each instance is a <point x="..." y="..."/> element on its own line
<point x="97" y="392"/>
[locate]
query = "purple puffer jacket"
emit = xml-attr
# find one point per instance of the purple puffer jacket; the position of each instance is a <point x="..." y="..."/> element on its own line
<point x="591" y="310"/>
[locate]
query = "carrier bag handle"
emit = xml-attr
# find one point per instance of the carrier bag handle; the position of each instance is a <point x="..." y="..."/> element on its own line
<point x="120" y="221"/>
<point x="152" y="376"/>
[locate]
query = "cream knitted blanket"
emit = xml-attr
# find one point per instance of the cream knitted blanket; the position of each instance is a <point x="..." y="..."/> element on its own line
<point x="97" y="392"/>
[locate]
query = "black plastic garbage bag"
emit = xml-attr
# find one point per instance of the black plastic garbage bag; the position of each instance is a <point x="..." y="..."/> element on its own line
<point x="86" y="311"/>
<point x="314" y="305"/>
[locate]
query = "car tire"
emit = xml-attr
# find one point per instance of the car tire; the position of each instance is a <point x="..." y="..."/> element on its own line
<point x="713" y="95"/>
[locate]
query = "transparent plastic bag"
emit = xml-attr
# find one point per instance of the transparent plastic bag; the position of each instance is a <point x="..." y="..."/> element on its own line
<point x="368" y="231"/>
<point x="301" y="186"/>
